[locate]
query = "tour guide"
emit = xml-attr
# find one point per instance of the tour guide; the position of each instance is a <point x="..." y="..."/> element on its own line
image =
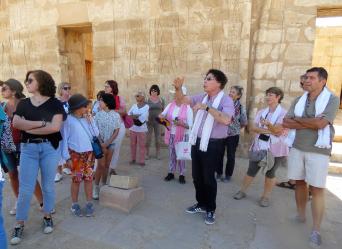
<point x="214" y="110"/>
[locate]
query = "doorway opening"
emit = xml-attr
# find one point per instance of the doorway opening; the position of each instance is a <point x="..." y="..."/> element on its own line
<point x="328" y="49"/>
<point x="76" y="53"/>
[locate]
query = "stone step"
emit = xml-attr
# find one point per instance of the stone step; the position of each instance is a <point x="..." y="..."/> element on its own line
<point x="121" y="199"/>
<point x="336" y="153"/>
<point x="335" y="168"/>
<point x="338" y="133"/>
<point x="124" y="182"/>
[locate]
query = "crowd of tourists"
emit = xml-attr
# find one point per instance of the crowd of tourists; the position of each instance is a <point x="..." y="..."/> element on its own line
<point x="69" y="134"/>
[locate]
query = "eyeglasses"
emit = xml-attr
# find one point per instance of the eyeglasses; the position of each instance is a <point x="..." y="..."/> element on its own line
<point x="29" y="81"/>
<point x="208" y="78"/>
<point x="66" y="88"/>
<point x="3" y="89"/>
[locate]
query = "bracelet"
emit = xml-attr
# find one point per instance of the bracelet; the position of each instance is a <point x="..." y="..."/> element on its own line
<point x="207" y="109"/>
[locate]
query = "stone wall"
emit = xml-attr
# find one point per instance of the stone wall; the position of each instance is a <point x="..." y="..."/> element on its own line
<point x="328" y="54"/>
<point x="259" y="43"/>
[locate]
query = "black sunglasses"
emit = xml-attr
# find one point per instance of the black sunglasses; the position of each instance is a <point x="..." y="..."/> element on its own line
<point x="66" y="88"/>
<point x="29" y="81"/>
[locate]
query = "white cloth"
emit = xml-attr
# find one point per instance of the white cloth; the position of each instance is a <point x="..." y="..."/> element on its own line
<point x="1" y="176"/>
<point x="107" y="122"/>
<point x="321" y="103"/>
<point x="208" y="124"/>
<point x="143" y="117"/>
<point x="76" y="137"/>
<point x="265" y="145"/>
<point x="189" y="117"/>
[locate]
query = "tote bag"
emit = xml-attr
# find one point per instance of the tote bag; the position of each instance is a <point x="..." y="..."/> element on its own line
<point x="183" y="151"/>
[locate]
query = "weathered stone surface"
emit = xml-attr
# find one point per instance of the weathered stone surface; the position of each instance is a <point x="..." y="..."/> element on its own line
<point x="124" y="182"/>
<point x="122" y="199"/>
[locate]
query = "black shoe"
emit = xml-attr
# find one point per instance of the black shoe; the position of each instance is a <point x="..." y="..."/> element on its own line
<point x="47" y="225"/>
<point x="182" y="179"/>
<point x="169" y="177"/>
<point x="210" y="218"/>
<point x="17" y="234"/>
<point x="195" y="209"/>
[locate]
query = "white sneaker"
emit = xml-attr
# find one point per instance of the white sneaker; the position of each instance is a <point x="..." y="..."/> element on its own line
<point x="13" y="211"/>
<point x="67" y="171"/>
<point x="96" y="191"/>
<point x="58" y="177"/>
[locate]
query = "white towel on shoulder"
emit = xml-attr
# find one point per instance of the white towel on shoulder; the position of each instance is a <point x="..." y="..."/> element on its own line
<point x="208" y="124"/>
<point x="322" y="100"/>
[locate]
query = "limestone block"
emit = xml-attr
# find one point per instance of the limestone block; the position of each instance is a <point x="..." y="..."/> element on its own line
<point x="296" y="52"/>
<point x="292" y="34"/>
<point x="122" y="199"/>
<point x="263" y="50"/>
<point x="309" y="33"/>
<point x="124" y="182"/>
<point x="270" y="35"/>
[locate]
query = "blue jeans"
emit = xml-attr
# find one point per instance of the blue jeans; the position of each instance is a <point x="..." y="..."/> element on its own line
<point x="3" y="237"/>
<point x="32" y="157"/>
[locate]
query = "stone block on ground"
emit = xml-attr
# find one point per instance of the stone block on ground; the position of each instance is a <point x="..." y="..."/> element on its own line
<point x="122" y="199"/>
<point x="124" y="182"/>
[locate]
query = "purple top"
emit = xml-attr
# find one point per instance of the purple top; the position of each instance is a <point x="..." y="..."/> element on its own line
<point x="226" y="106"/>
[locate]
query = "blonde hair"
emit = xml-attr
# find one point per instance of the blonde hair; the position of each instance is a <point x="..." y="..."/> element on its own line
<point x="60" y="87"/>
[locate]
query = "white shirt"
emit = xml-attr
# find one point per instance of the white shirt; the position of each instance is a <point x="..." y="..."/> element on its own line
<point x="1" y="176"/>
<point x="107" y="122"/>
<point x="143" y="117"/>
<point x="189" y="117"/>
<point x="76" y="137"/>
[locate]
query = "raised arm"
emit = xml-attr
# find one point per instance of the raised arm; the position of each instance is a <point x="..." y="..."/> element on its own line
<point x="178" y="83"/>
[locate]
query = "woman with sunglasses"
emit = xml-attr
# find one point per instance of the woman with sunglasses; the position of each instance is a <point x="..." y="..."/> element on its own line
<point x="111" y="86"/>
<point x="157" y="105"/>
<point x="12" y="92"/>
<point x="40" y="119"/>
<point x="64" y="92"/>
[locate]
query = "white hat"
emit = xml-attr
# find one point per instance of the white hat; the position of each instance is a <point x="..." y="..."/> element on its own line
<point x="183" y="90"/>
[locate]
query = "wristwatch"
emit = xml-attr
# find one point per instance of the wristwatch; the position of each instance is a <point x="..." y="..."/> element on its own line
<point x="43" y="123"/>
<point x="207" y="109"/>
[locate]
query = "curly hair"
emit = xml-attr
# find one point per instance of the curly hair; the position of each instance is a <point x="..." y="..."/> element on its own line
<point x="46" y="84"/>
<point x="109" y="101"/>
<point x="219" y="76"/>
<point x="114" y="86"/>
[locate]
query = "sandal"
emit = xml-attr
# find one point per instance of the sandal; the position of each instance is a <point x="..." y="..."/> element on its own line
<point x="287" y="184"/>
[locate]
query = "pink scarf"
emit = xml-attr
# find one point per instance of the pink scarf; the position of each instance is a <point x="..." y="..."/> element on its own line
<point x="179" y="129"/>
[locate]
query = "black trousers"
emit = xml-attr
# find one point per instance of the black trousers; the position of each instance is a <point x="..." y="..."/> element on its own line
<point x="231" y="143"/>
<point x="204" y="165"/>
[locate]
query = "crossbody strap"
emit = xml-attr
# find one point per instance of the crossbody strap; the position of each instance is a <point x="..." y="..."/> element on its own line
<point x="85" y="129"/>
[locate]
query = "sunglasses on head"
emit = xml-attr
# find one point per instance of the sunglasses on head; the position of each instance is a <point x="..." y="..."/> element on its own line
<point x="66" y="88"/>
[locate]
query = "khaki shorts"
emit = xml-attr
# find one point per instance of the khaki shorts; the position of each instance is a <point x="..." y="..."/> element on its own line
<point x="308" y="166"/>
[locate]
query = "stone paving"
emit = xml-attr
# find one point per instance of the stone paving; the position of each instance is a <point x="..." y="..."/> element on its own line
<point x="161" y="222"/>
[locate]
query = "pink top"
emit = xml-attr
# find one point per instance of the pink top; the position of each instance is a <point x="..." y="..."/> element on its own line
<point x="279" y="148"/>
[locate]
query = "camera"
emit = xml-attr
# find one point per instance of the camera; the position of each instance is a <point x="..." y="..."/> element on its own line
<point x="264" y="137"/>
